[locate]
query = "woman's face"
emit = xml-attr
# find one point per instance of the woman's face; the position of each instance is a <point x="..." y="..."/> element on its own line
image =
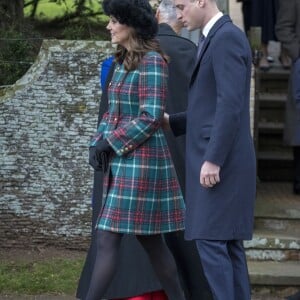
<point x="120" y="33"/>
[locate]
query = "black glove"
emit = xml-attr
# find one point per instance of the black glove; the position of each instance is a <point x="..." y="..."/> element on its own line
<point x="99" y="155"/>
<point x="103" y="150"/>
<point x="103" y="146"/>
<point x="93" y="159"/>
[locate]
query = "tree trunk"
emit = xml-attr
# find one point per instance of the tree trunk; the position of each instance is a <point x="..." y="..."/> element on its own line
<point x="34" y="8"/>
<point x="11" y="13"/>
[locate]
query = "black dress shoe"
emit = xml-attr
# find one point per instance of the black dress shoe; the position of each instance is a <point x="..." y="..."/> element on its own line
<point x="263" y="64"/>
<point x="285" y="60"/>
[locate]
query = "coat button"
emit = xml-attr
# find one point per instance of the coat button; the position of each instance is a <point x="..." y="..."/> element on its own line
<point x="115" y="119"/>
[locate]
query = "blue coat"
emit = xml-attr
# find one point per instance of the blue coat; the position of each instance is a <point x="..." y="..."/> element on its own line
<point x="218" y="131"/>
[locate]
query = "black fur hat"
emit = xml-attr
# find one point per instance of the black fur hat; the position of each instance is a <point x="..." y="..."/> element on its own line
<point x="134" y="13"/>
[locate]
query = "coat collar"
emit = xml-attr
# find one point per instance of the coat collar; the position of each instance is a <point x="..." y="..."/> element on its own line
<point x="220" y="22"/>
<point x="224" y="19"/>
<point x="165" y="29"/>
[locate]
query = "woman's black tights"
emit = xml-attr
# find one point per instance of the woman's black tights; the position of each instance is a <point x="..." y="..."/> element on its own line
<point x="163" y="263"/>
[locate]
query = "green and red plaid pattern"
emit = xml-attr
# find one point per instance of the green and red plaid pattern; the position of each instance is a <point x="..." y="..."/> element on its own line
<point x="141" y="191"/>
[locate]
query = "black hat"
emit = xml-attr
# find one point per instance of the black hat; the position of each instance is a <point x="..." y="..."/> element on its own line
<point x="134" y="13"/>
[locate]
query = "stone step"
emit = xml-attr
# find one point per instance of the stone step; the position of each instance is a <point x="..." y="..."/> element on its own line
<point x="272" y="255"/>
<point x="271" y="273"/>
<point x="273" y="142"/>
<point x="275" y="200"/>
<point x="275" y="170"/>
<point x="277" y="223"/>
<point x="269" y="245"/>
<point x="272" y="99"/>
<point x="280" y="226"/>
<point x="264" y="239"/>
<point x="285" y="154"/>
<point x="274" y="73"/>
<point x="265" y="126"/>
<point x="272" y="85"/>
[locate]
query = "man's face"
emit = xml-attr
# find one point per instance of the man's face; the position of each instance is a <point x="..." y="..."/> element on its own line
<point x="189" y="13"/>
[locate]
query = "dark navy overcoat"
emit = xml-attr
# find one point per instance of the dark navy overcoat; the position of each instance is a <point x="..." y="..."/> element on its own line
<point x="218" y="131"/>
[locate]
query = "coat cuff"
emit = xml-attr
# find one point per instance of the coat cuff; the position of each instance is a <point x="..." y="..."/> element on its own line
<point x="178" y="123"/>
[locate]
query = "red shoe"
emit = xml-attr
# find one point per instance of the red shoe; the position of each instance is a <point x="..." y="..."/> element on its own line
<point x="157" y="295"/>
<point x="141" y="297"/>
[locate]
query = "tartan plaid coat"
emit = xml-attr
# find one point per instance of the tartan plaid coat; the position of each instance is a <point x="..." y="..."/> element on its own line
<point x="141" y="191"/>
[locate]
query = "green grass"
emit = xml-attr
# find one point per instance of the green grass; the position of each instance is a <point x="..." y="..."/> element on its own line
<point x="48" y="11"/>
<point x="56" y="276"/>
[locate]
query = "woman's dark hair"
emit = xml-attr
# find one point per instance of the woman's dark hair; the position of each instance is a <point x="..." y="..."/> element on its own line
<point x="138" y="15"/>
<point x="138" y="49"/>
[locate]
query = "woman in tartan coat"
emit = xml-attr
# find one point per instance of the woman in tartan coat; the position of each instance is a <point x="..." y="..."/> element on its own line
<point x="141" y="192"/>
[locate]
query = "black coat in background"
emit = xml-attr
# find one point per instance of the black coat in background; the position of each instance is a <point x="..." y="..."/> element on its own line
<point x="182" y="54"/>
<point x="135" y="275"/>
<point x="264" y="14"/>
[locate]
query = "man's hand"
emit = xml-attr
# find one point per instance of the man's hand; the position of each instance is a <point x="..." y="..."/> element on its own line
<point x="209" y="174"/>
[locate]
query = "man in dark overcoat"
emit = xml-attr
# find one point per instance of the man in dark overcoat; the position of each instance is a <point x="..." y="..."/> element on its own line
<point x="288" y="33"/>
<point x="220" y="157"/>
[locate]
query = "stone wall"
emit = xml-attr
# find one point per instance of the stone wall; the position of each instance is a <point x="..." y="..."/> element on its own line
<point x="46" y="120"/>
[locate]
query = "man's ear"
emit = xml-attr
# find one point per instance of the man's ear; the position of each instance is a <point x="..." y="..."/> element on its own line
<point x="201" y="3"/>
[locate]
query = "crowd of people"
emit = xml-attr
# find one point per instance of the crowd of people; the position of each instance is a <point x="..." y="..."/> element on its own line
<point x="175" y="168"/>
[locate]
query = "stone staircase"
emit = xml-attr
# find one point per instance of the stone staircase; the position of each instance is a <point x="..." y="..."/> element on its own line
<point x="274" y="252"/>
<point x="274" y="159"/>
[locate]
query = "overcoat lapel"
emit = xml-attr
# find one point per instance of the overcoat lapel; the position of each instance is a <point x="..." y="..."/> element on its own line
<point x="224" y="19"/>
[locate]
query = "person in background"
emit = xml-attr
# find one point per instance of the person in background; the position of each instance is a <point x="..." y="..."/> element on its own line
<point x="288" y="33"/>
<point x="220" y="156"/>
<point x="246" y="13"/>
<point x="106" y="67"/>
<point x="182" y="54"/>
<point x="296" y="83"/>
<point x="141" y="194"/>
<point x="263" y="13"/>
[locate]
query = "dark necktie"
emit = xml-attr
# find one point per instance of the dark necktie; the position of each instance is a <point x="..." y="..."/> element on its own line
<point x="200" y="44"/>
